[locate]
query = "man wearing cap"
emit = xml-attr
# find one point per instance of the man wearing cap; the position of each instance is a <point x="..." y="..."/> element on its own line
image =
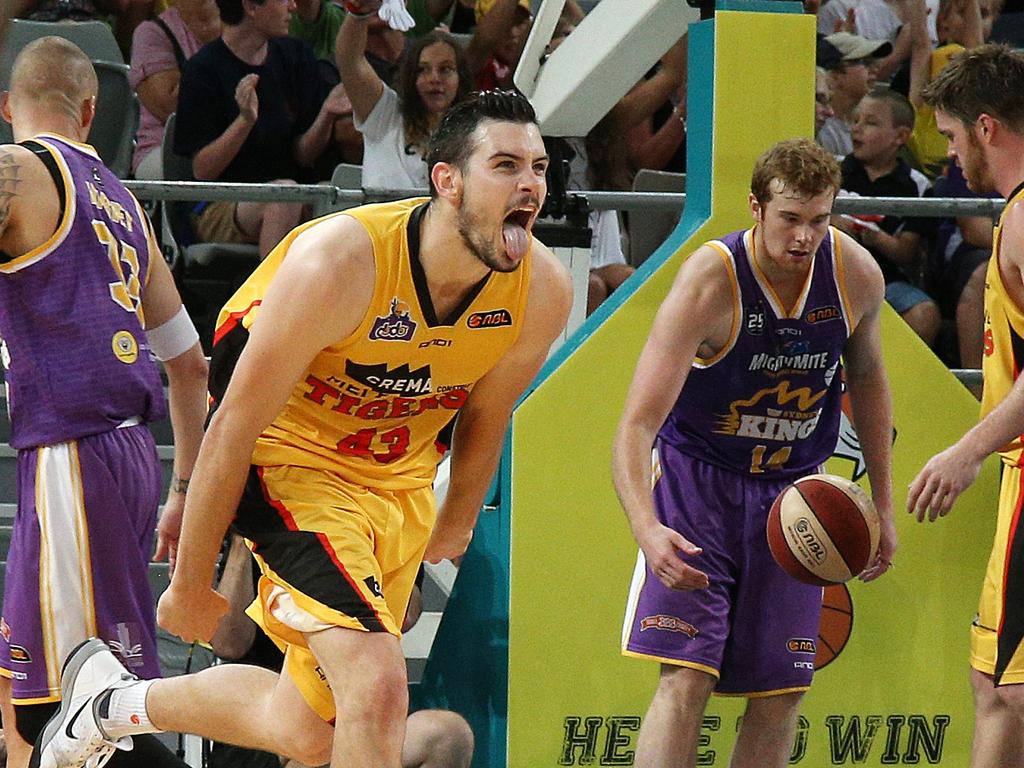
<point x="849" y="81"/>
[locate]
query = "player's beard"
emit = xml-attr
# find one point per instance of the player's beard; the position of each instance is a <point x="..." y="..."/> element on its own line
<point x="975" y="167"/>
<point x="471" y="230"/>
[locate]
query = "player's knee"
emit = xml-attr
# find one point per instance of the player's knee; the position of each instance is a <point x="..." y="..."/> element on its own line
<point x="309" y="746"/>
<point x="444" y="737"/>
<point x="686" y="688"/>
<point x="381" y="696"/>
<point x="774" y="712"/>
<point x="1011" y="697"/>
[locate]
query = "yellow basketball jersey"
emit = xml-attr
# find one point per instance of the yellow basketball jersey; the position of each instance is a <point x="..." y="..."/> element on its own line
<point x="371" y="407"/>
<point x="1004" y="337"/>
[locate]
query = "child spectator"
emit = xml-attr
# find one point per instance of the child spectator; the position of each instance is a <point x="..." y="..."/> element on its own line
<point x="882" y="123"/>
<point x="160" y="48"/>
<point x="849" y="82"/>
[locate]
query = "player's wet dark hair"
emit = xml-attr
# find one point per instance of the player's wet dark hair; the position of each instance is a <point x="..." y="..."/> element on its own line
<point x="453" y="142"/>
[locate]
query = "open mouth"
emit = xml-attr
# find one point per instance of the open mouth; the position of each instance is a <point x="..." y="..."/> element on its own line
<point x="520" y="217"/>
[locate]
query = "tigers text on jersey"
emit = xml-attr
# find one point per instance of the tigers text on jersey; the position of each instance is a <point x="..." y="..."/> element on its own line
<point x="1004" y="336"/>
<point x="371" y="406"/>
<point x="70" y="310"/>
<point x="768" y="403"/>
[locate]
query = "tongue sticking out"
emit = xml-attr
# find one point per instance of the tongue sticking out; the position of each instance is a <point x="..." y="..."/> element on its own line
<point x="516" y="239"/>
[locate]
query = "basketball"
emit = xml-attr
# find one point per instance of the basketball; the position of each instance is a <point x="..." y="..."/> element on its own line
<point x="823" y="529"/>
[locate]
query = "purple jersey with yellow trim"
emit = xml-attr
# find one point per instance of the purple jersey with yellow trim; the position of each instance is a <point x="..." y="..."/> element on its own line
<point x="74" y="349"/>
<point x="768" y="403"/>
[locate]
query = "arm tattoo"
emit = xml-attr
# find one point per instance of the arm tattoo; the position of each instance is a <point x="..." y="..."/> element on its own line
<point x="9" y="181"/>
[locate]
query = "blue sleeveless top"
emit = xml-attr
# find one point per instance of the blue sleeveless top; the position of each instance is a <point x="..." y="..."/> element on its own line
<point x="74" y="349"/>
<point x="768" y="403"/>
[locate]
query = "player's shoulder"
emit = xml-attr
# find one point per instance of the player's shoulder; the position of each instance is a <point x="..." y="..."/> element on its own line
<point x="859" y="272"/>
<point x="547" y="266"/>
<point x="331" y="246"/>
<point x="710" y="267"/>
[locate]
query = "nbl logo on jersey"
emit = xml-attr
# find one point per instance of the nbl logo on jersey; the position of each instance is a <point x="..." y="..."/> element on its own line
<point x="397" y="325"/>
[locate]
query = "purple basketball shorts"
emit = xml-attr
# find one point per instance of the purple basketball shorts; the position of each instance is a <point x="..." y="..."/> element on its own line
<point x="79" y="558"/>
<point x="754" y="627"/>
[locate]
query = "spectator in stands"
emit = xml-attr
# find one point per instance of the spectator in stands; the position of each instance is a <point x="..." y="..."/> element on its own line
<point x="502" y="27"/>
<point x="960" y="24"/>
<point x="956" y="268"/>
<point x="396" y="123"/>
<point x="882" y="123"/>
<point x="253" y="108"/>
<point x="878" y="20"/>
<point x="433" y="738"/>
<point x="602" y="161"/>
<point x="127" y="14"/>
<point x="822" y="100"/>
<point x="849" y="82"/>
<point x="658" y="141"/>
<point x="160" y="48"/>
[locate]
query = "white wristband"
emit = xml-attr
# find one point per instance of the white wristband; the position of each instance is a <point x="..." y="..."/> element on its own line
<point x="174" y="337"/>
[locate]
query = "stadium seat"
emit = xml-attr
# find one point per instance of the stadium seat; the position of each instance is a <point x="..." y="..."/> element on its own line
<point x="648" y="229"/>
<point x="117" y="117"/>
<point x="95" y="38"/>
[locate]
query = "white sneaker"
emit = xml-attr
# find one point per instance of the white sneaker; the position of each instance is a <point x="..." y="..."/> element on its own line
<point x="73" y="738"/>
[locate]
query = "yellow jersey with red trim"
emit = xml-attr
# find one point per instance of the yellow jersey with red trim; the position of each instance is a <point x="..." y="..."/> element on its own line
<point x="1004" y="336"/>
<point x="372" y="407"/>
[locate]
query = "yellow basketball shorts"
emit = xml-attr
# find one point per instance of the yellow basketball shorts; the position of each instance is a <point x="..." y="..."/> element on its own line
<point x="996" y="647"/>
<point x="333" y="553"/>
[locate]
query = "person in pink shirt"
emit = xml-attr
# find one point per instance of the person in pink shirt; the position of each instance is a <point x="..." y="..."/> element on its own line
<point x="159" y="49"/>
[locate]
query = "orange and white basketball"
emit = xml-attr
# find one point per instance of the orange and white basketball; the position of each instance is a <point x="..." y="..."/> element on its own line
<point x="823" y="529"/>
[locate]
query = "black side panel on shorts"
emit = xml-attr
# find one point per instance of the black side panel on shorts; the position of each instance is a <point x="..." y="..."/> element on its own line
<point x="1012" y="631"/>
<point x="300" y="557"/>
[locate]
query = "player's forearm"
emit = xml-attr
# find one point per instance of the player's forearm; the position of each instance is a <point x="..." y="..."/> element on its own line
<point x="1002" y="425"/>
<point x="216" y="487"/>
<point x="186" y="396"/>
<point x="631" y="476"/>
<point x="477" y="444"/>
<point x="872" y="416"/>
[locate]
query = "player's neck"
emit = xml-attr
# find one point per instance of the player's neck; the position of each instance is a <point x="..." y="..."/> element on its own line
<point x="1007" y="167"/>
<point x="450" y="266"/>
<point x="29" y="125"/>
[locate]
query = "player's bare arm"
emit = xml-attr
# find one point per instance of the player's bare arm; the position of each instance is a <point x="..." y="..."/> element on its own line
<point x="948" y="474"/>
<point x="186" y="393"/>
<point x="481" y="424"/>
<point x="691" y="321"/>
<point x="868" y="385"/>
<point x="331" y="268"/>
<point x="29" y="205"/>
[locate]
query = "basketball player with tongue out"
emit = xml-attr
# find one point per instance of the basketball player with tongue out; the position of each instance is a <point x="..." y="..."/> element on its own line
<point x="738" y="392"/>
<point x="335" y="368"/>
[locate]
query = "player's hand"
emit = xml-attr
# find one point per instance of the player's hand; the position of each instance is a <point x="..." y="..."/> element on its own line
<point x="661" y="546"/>
<point x="191" y="615"/>
<point x="887" y="544"/>
<point x="943" y="479"/>
<point x="168" y="530"/>
<point x="447" y="543"/>
<point x="246" y="98"/>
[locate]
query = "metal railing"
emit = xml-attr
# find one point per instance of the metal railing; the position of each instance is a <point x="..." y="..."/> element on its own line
<point x="329" y="195"/>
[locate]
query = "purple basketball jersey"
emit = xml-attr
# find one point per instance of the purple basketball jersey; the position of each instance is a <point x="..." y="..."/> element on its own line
<point x="768" y="405"/>
<point x="70" y="311"/>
